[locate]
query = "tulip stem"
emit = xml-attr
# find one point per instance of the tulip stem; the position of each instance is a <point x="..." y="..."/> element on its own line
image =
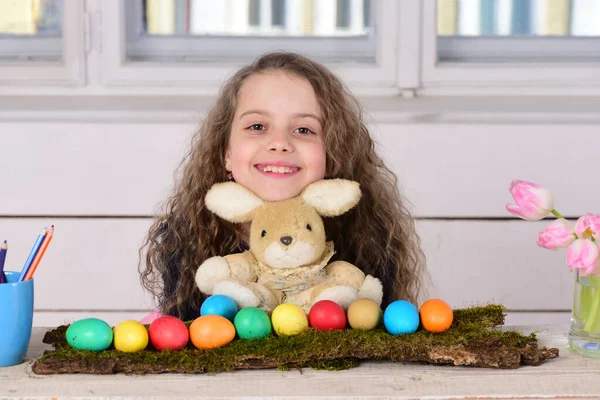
<point x="591" y="321"/>
<point x="556" y="214"/>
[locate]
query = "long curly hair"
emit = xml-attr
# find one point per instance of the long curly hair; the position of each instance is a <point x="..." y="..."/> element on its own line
<point x="378" y="235"/>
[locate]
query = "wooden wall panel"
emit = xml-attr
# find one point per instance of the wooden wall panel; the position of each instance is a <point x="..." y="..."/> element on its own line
<point x="92" y="264"/>
<point x="98" y="181"/>
<point x="445" y="170"/>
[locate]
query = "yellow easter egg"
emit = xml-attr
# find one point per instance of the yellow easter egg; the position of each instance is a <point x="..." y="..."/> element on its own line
<point x="289" y="319"/>
<point x="130" y="336"/>
<point x="364" y="314"/>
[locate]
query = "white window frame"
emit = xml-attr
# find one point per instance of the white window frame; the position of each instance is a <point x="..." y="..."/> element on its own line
<point x="207" y="48"/>
<point x="482" y="78"/>
<point x="517" y="50"/>
<point x="69" y="71"/>
<point x="205" y="78"/>
<point x="26" y="48"/>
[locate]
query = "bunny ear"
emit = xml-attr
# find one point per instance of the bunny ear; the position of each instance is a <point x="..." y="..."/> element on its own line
<point x="332" y="197"/>
<point x="232" y="202"/>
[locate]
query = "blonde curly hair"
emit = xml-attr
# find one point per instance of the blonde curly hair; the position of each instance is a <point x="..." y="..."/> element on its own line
<point x="378" y="235"/>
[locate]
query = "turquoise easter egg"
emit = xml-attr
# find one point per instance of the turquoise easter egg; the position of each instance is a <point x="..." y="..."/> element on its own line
<point x="401" y="317"/>
<point x="219" y="304"/>
<point x="89" y="334"/>
<point x="252" y="323"/>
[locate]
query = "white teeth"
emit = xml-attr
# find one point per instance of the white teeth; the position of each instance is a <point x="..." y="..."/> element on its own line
<point x="279" y="170"/>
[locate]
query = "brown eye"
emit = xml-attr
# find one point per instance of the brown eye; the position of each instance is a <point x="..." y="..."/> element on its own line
<point x="257" y="127"/>
<point x="309" y="227"/>
<point x="263" y="234"/>
<point x="304" y="131"/>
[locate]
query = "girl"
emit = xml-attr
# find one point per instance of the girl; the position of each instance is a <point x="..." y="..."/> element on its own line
<point x="278" y="125"/>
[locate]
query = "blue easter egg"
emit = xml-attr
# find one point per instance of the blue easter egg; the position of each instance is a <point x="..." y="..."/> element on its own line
<point x="401" y="317"/>
<point x="219" y="304"/>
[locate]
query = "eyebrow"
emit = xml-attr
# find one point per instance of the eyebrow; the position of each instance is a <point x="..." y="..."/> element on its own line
<point x="297" y="115"/>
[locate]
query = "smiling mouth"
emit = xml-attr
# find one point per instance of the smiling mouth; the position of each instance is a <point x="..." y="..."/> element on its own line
<point x="276" y="169"/>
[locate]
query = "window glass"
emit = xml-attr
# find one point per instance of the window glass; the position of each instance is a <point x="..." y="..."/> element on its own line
<point x="30" y="18"/>
<point x="257" y="17"/>
<point x="233" y="30"/>
<point x="518" y="18"/>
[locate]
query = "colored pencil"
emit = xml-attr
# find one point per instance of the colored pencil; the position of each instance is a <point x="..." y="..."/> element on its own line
<point x="39" y="254"/>
<point x="3" y="250"/>
<point x="34" y="250"/>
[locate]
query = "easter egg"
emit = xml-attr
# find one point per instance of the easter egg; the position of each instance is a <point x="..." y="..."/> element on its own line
<point x="289" y="319"/>
<point x="326" y="315"/>
<point x="211" y="331"/>
<point x="401" y="317"/>
<point x="168" y="332"/>
<point x="436" y="315"/>
<point x="89" y="334"/>
<point x="130" y="336"/>
<point x="364" y="314"/>
<point x="252" y="323"/>
<point x="219" y="304"/>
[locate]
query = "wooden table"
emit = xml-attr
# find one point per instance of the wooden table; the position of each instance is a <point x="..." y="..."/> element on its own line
<point x="570" y="376"/>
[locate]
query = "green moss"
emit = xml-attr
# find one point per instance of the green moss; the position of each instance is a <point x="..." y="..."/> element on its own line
<point x="471" y="330"/>
<point x="486" y="316"/>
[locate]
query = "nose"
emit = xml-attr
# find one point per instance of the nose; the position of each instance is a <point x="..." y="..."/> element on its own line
<point x="286" y="240"/>
<point x="280" y="141"/>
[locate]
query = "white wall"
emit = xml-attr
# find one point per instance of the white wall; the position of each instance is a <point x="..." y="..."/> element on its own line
<point x="97" y="168"/>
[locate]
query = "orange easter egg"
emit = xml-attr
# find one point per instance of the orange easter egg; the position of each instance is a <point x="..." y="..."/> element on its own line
<point x="211" y="331"/>
<point x="436" y="315"/>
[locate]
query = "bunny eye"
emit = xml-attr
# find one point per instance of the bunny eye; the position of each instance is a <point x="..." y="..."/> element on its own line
<point x="263" y="234"/>
<point x="309" y="227"/>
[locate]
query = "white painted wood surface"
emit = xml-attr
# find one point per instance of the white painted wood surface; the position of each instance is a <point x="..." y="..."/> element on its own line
<point x="89" y="169"/>
<point x="105" y="165"/>
<point x="445" y="170"/>
<point x="569" y="376"/>
<point x="92" y="265"/>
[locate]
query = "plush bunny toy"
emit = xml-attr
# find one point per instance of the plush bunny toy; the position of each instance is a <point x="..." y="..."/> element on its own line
<point x="288" y="257"/>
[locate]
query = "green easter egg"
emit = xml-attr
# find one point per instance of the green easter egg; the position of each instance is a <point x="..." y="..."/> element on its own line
<point x="89" y="334"/>
<point x="252" y="323"/>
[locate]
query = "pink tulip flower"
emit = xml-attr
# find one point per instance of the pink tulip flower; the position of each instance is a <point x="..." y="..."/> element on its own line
<point x="583" y="254"/>
<point x="559" y="233"/>
<point x="533" y="201"/>
<point x="588" y="226"/>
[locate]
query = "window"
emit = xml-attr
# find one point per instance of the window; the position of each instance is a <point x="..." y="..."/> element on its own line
<point x="42" y="43"/>
<point x="378" y="47"/>
<point x="200" y="30"/>
<point x="518" y="30"/>
<point x="30" y="30"/>
<point x="509" y="47"/>
<point x="192" y="49"/>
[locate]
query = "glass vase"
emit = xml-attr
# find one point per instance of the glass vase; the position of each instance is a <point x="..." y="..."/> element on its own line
<point x="584" y="335"/>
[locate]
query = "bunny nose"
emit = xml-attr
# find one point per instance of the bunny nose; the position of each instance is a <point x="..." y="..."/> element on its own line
<point x="286" y="240"/>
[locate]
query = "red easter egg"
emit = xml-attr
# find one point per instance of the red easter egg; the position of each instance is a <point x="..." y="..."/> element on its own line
<point x="326" y="315"/>
<point x="168" y="332"/>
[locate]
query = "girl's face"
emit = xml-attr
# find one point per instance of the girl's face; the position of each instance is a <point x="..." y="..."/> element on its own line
<point x="276" y="142"/>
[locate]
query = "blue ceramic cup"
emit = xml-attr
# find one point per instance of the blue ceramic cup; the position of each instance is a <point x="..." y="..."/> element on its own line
<point x="16" y="318"/>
